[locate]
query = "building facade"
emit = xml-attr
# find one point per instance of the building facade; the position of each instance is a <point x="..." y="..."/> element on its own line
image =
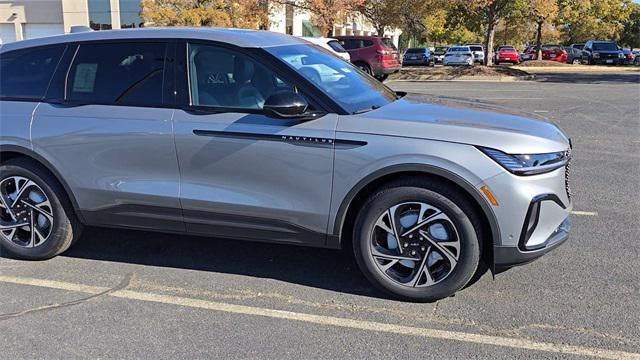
<point x="26" y="19"/>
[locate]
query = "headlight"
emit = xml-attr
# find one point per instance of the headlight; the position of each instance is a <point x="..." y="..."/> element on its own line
<point x="596" y="55"/>
<point x="621" y="55"/>
<point x="528" y="164"/>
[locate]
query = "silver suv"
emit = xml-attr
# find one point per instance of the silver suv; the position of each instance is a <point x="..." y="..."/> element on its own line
<point x="259" y="136"/>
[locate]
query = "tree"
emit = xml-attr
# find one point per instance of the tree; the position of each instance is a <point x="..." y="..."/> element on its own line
<point x="381" y="13"/>
<point x="541" y="12"/>
<point x="582" y="20"/>
<point x="325" y="13"/>
<point x="220" y="13"/>
<point x="490" y="13"/>
<point x="631" y="34"/>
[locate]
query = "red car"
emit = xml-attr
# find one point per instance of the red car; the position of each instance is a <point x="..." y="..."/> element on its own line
<point x="377" y="56"/>
<point x="507" y="54"/>
<point x="549" y="52"/>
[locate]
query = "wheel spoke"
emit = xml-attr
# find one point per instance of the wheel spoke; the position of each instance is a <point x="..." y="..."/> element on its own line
<point x="437" y="216"/>
<point x="21" y="191"/>
<point x="378" y="254"/>
<point x="443" y="250"/>
<point x="392" y="220"/>
<point x="39" y="209"/>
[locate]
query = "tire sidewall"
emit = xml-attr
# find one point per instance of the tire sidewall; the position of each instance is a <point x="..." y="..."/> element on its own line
<point x="61" y="223"/>
<point x="469" y="245"/>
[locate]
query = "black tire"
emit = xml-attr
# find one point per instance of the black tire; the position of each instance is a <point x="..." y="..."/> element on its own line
<point x="66" y="228"/>
<point x="382" y="78"/>
<point x="453" y="204"/>
<point x="364" y="67"/>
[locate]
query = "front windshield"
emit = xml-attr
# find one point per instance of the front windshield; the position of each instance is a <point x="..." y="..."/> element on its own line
<point x="605" y="46"/>
<point x="346" y="85"/>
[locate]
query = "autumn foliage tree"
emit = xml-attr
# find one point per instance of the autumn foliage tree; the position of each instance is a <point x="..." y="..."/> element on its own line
<point x="218" y="13"/>
<point x="490" y="13"/>
<point x="382" y="14"/>
<point x="541" y="12"/>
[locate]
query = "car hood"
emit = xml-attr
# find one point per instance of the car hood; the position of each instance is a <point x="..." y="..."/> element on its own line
<point x="461" y="121"/>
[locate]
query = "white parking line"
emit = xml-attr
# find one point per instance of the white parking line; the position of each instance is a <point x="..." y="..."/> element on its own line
<point x="331" y="321"/>
<point x="585" y="213"/>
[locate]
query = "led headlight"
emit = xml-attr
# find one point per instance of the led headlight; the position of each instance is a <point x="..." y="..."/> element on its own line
<point x="528" y="164"/>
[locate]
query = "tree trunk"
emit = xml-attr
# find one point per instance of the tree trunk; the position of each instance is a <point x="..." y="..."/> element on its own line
<point x="380" y="30"/>
<point x="539" y="41"/>
<point x="491" y="31"/>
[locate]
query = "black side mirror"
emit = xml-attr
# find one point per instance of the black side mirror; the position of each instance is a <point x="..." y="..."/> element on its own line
<point x="287" y="105"/>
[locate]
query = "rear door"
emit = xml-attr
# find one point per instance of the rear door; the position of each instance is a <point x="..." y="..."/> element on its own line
<point x="245" y="175"/>
<point x="105" y="127"/>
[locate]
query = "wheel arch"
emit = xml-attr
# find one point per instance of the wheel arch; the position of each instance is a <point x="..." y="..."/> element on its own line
<point x="347" y="212"/>
<point x="14" y="151"/>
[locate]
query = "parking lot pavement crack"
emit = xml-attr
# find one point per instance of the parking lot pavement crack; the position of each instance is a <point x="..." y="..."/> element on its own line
<point x="124" y="283"/>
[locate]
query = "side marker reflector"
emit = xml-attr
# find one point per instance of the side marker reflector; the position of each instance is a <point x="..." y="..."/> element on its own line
<point x="489" y="195"/>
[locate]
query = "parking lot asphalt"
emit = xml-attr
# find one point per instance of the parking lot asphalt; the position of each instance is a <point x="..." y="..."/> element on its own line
<point x="132" y="294"/>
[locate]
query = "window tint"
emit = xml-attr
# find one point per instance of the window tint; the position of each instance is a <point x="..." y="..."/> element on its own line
<point x="118" y="73"/>
<point x="225" y="78"/>
<point x="26" y="73"/>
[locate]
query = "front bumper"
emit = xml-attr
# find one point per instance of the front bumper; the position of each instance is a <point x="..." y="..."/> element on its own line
<point x="416" y="62"/>
<point x="533" y="215"/>
<point x="508" y="256"/>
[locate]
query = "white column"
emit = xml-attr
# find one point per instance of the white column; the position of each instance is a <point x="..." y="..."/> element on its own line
<point x="18" y="29"/>
<point x="114" y="5"/>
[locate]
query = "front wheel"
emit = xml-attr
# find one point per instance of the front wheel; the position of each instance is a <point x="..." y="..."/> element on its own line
<point x="36" y="220"/>
<point x="418" y="240"/>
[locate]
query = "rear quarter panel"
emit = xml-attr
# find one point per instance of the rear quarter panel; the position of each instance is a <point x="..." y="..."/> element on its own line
<point x="15" y="122"/>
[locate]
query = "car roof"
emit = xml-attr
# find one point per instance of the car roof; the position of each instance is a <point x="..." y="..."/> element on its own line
<point x="239" y="37"/>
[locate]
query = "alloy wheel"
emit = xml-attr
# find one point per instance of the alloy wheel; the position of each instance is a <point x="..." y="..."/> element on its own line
<point x="415" y="244"/>
<point x="26" y="214"/>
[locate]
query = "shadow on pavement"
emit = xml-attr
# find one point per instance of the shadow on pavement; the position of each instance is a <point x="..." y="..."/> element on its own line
<point x="321" y="268"/>
<point x="590" y="78"/>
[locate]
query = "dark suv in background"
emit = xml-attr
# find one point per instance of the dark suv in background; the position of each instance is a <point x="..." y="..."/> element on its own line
<point x="602" y="52"/>
<point x="377" y="56"/>
<point x="418" y="56"/>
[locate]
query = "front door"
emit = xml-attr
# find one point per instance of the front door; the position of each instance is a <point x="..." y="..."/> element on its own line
<point x="245" y="175"/>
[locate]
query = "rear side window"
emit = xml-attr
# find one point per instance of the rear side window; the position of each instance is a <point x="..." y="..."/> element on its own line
<point x="388" y="43"/>
<point x="27" y="73"/>
<point x="335" y="45"/>
<point x="118" y="73"/>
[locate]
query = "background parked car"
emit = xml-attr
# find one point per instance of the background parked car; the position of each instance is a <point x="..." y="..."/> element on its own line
<point x="636" y="59"/>
<point x="478" y="52"/>
<point x="459" y="55"/>
<point x="333" y="45"/>
<point x="507" y="54"/>
<point x="549" y="52"/>
<point x="574" y="53"/>
<point x="418" y="56"/>
<point x="438" y="54"/>
<point x="377" y="56"/>
<point x="629" y="57"/>
<point x="602" y="52"/>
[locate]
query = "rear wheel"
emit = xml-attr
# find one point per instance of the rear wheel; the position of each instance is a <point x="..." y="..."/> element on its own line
<point x="36" y="221"/>
<point x="382" y="77"/>
<point x="417" y="240"/>
<point x="364" y="67"/>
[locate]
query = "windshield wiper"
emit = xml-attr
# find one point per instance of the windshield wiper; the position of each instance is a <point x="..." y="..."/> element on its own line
<point x="362" y="111"/>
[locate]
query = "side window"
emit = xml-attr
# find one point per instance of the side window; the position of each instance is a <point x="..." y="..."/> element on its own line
<point x="118" y="73"/>
<point x="367" y="43"/>
<point x="26" y="73"/>
<point x="225" y="78"/>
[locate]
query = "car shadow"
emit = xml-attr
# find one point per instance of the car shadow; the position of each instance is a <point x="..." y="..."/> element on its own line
<point x="320" y="268"/>
<point x="590" y="78"/>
